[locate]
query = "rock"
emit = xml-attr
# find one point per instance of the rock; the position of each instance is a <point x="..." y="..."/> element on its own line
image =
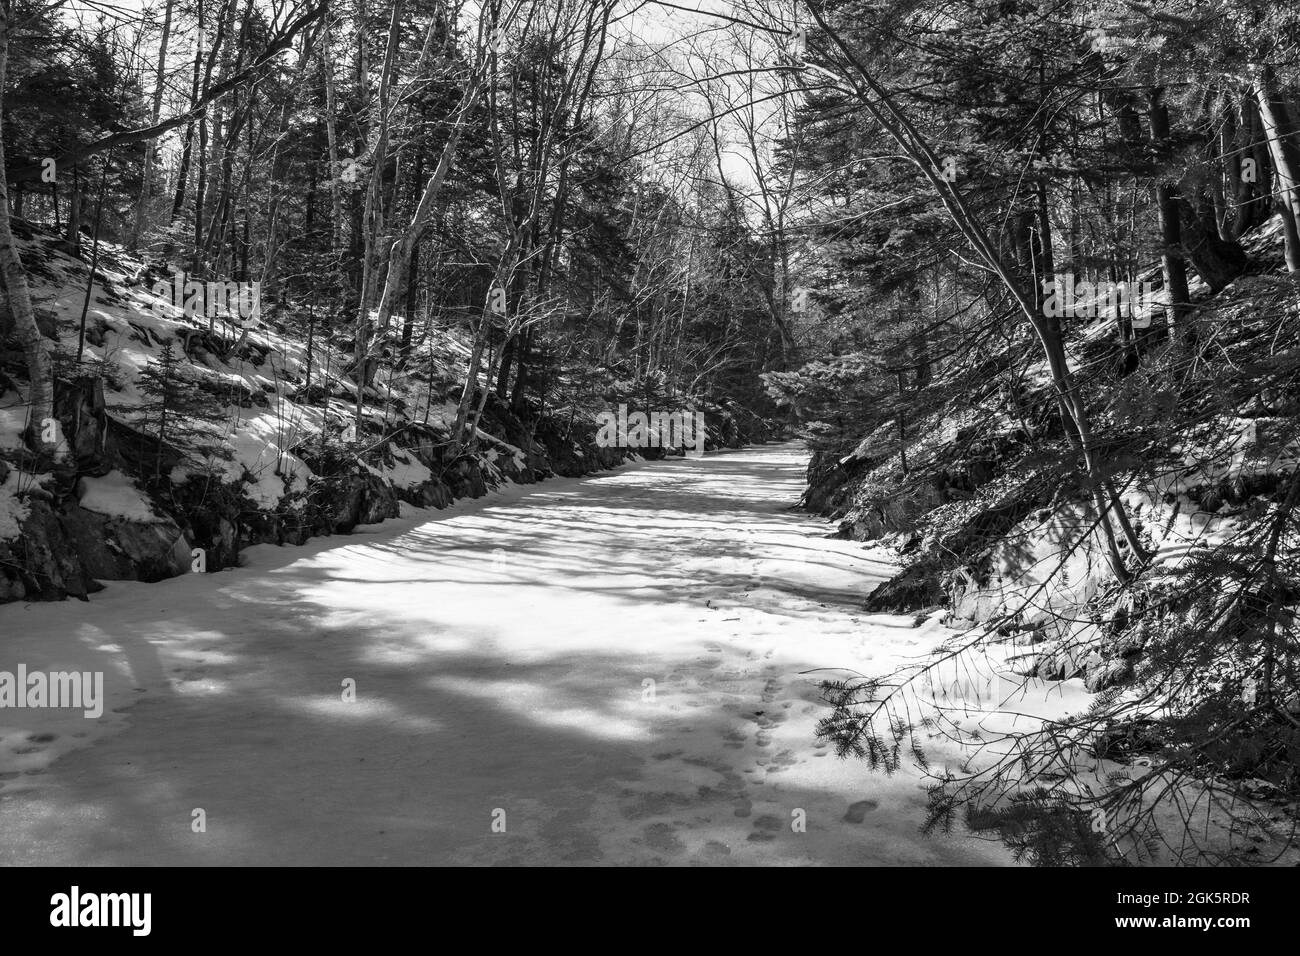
<point x="978" y="605"/>
<point x="360" y="497"/>
<point x="911" y="589"/>
<point x="115" y="549"/>
<point x="1112" y="673"/>
<point x="1052" y="666"/>
<point x="1130" y="643"/>
<point x="81" y="413"/>
<point x="42" y="563"/>
<point x="429" y="494"/>
<point x="64" y="548"/>
<point x="378" y="502"/>
<point x="466" y="480"/>
<point x="183" y="554"/>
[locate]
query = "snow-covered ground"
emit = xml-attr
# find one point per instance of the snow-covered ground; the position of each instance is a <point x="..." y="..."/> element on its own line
<point x="610" y="666"/>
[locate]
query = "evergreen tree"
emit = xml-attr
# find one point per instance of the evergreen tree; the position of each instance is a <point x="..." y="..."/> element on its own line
<point x="176" y="409"/>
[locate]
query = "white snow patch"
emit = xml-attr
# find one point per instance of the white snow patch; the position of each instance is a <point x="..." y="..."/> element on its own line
<point x="117" y="496"/>
<point x="13" y="511"/>
<point x="501" y="650"/>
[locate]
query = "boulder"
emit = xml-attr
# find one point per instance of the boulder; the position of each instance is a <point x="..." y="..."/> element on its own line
<point x="42" y="563"/>
<point x="118" y="549"/>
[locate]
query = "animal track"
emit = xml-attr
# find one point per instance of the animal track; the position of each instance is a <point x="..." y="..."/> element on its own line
<point x="785" y="758"/>
<point x="766" y="720"/>
<point x="662" y="837"/>
<point x="858" y="811"/>
<point x="765" y="828"/>
<point x="642" y="805"/>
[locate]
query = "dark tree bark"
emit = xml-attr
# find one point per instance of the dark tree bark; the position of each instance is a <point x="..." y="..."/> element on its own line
<point x="1217" y="261"/>
<point x="1284" y="150"/>
<point x="1166" y="195"/>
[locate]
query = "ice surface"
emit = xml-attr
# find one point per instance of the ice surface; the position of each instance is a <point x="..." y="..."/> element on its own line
<point x="501" y="652"/>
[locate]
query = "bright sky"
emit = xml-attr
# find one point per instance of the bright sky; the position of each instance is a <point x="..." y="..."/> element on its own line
<point x="679" y="36"/>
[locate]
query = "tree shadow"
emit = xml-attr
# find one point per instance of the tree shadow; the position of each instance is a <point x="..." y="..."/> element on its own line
<point x="529" y="694"/>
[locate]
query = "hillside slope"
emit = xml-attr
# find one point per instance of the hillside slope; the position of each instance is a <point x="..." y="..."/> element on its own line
<point x="187" y="434"/>
<point x="1187" y="641"/>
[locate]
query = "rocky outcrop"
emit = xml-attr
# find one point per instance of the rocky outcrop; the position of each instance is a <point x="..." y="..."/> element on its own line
<point x="42" y="563"/>
<point x="64" y="549"/>
<point x="257" y="438"/>
<point x="117" y="549"/>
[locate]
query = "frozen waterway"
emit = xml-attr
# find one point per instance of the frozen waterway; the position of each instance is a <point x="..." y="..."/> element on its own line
<point x="609" y="665"/>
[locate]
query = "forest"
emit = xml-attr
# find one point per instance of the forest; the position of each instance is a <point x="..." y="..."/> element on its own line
<point x="1001" y="293"/>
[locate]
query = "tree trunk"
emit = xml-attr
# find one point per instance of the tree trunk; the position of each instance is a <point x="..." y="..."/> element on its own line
<point x="1253" y="195"/>
<point x="1217" y="261"/>
<point x="196" y="264"/>
<point x="1166" y="196"/>
<point x="74" y="212"/>
<point x="278" y="170"/>
<point x="1280" y="134"/>
<point x="337" y="219"/>
<point x="40" y="374"/>
<point x="399" y="253"/>
<point x="412" y="290"/>
<point x="146" y="182"/>
<point x="880" y="104"/>
<point x="373" y="217"/>
<point x="178" y="200"/>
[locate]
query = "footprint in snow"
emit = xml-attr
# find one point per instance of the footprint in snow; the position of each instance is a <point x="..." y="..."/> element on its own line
<point x="766" y="720"/>
<point x="765" y="828"/>
<point x="733" y="739"/>
<point x="662" y="837"/>
<point x="858" y="811"/>
<point x="783" y="759"/>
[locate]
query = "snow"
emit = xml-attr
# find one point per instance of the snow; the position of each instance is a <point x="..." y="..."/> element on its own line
<point x="12" y="509"/>
<point x="626" y="665"/>
<point x="408" y="471"/>
<point x="13" y="418"/>
<point x="117" y="496"/>
<point x="259" y="445"/>
<point x="129" y="331"/>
